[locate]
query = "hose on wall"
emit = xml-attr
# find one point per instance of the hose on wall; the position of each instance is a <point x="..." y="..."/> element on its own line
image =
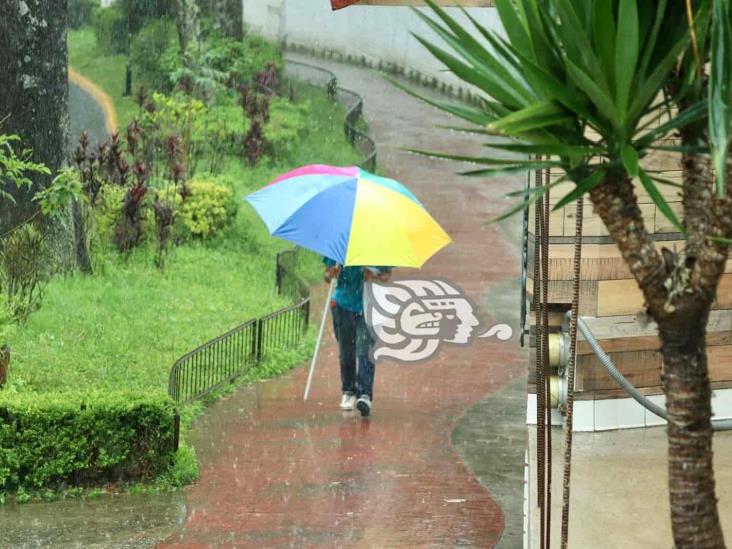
<point x="628" y="387"/>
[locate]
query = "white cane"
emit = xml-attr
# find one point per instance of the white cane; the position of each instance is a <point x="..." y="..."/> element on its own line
<point x="320" y="337"/>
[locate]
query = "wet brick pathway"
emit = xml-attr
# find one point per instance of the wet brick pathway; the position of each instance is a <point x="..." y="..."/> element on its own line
<point x="277" y="472"/>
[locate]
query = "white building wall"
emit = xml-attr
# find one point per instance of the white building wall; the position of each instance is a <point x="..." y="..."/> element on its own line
<point x="376" y="33"/>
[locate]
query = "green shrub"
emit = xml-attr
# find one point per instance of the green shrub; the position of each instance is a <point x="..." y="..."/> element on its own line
<point x="106" y="214"/>
<point x="23" y="271"/>
<point x="219" y="63"/>
<point x="7" y="322"/>
<point x="110" y="29"/>
<point x="48" y="440"/>
<point x="221" y="134"/>
<point x="208" y="209"/>
<point x="114" y="25"/>
<point x="286" y="126"/>
<point x="81" y="12"/>
<point x="185" y="470"/>
<point x="243" y="58"/>
<point x="143" y="11"/>
<point x="147" y="50"/>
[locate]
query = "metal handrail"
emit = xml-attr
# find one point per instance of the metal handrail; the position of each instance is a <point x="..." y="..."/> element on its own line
<point x="224" y="358"/>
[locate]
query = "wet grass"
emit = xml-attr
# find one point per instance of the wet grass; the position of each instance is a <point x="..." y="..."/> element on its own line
<point x="124" y="326"/>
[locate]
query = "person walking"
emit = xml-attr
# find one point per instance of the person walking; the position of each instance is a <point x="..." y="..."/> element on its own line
<point x="351" y="332"/>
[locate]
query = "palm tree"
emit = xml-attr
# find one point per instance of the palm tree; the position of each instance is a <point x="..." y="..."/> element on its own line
<point x="568" y="66"/>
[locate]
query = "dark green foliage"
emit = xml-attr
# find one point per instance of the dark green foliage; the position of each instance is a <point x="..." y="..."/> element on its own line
<point x="115" y="26"/>
<point x="142" y="11"/>
<point x="147" y="51"/>
<point x="50" y="440"/>
<point x="81" y="12"/>
<point x="23" y="271"/>
<point x="110" y="29"/>
<point x="223" y="62"/>
<point x="243" y="59"/>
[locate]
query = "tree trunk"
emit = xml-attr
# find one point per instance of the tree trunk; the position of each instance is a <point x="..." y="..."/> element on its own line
<point x="34" y="98"/>
<point x="188" y="20"/>
<point x="678" y="294"/>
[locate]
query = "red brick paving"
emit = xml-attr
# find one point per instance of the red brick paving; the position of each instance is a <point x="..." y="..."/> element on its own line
<point x="277" y="472"/>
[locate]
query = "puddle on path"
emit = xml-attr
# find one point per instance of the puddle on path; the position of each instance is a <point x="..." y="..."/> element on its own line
<point x="119" y="521"/>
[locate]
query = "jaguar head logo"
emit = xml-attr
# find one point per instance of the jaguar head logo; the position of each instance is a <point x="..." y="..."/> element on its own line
<point x="410" y="319"/>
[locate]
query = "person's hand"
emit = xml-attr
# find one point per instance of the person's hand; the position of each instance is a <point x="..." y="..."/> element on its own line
<point x="331" y="273"/>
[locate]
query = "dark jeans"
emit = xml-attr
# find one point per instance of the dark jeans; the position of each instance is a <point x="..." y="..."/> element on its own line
<point x="354" y="343"/>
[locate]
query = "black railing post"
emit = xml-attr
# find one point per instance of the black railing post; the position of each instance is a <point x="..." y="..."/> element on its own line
<point x="255" y="352"/>
<point x="259" y="334"/>
<point x="176" y="430"/>
<point x="331" y="88"/>
<point x="279" y="273"/>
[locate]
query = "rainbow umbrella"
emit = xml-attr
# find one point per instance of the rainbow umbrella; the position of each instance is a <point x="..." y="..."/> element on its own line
<point x="349" y="215"/>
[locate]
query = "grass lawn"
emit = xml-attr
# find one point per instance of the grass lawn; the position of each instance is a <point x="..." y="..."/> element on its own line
<point x="124" y="326"/>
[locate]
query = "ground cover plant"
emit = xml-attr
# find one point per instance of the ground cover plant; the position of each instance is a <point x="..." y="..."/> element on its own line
<point x="176" y="258"/>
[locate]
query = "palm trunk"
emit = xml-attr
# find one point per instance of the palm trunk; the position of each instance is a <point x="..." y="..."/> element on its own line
<point x="694" y="515"/>
<point x="678" y="296"/>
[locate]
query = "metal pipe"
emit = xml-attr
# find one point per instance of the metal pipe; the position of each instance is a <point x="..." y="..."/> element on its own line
<point x="320" y="337"/>
<point x="558" y="349"/>
<point x="606" y="361"/>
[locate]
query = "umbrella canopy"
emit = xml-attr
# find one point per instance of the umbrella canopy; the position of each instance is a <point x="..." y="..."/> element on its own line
<point x="350" y="215"/>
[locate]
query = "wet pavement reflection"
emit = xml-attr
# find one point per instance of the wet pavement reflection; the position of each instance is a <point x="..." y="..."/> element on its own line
<point x="119" y="521"/>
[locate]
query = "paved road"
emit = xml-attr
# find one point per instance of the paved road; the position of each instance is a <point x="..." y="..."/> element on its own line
<point x="277" y="472"/>
<point x="84" y="115"/>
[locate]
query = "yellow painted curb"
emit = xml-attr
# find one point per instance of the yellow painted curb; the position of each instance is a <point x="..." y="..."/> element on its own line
<point x="100" y="97"/>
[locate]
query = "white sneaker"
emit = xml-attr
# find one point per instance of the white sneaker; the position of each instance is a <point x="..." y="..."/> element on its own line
<point x="348" y="401"/>
<point x="364" y="405"/>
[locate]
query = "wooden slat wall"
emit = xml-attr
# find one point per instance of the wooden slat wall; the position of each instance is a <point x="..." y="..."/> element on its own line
<point x="611" y="298"/>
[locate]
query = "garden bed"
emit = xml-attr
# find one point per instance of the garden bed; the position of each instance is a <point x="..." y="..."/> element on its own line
<point x="112" y="336"/>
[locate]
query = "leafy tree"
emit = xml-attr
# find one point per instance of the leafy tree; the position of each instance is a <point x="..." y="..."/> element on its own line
<point x="566" y="66"/>
<point x="227" y="16"/>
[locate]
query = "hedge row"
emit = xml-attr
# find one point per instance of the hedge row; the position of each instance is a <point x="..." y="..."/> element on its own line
<point x="51" y="440"/>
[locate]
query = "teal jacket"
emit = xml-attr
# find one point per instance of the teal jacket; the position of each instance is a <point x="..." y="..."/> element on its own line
<point x="349" y="290"/>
